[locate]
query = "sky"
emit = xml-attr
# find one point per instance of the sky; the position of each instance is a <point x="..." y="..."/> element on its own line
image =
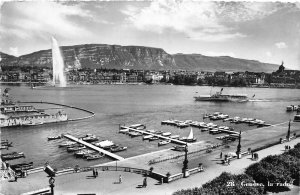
<point x="264" y="31"/>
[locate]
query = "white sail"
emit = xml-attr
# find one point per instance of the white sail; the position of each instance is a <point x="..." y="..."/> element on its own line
<point x="191" y="135"/>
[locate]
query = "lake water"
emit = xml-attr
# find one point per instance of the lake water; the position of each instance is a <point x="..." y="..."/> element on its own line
<point x="131" y="104"/>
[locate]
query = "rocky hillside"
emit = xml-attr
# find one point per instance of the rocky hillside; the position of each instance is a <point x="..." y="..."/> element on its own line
<point x="105" y="56"/>
<point x="222" y="63"/>
<point x="135" y="57"/>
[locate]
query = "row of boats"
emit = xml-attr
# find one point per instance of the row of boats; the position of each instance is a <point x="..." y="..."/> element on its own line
<point x="152" y="135"/>
<point x="81" y="151"/>
<point x="293" y="108"/>
<point x="215" y="116"/>
<point x="12" y="156"/>
<point x="5" y="144"/>
<point x="236" y="119"/>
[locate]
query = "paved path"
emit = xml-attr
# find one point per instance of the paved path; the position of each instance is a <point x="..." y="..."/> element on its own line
<point x="106" y="182"/>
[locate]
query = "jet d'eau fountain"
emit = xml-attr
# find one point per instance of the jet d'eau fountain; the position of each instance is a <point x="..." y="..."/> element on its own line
<point x="58" y="65"/>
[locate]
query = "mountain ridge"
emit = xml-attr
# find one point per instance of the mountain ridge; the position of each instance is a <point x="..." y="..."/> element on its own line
<point x="135" y="57"/>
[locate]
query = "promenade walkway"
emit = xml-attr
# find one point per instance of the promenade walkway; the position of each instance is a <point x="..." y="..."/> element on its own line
<point x="106" y="183"/>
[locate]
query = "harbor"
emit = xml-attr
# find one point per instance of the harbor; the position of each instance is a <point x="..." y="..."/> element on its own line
<point x="150" y="112"/>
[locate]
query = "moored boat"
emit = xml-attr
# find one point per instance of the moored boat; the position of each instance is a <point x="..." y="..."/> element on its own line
<point x="118" y="149"/>
<point x="297" y="118"/>
<point x="218" y="96"/>
<point x="83" y="152"/>
<point x="190" y="138"/>
<point x="153" y="138"/>
<point x="135" y="134"/>
<point x="54" y="137"/>
<point x="159" y="132"/>
<point x="164" y="142"/>
<point x="166" y="134"/>
<point x="104" y="143"/>
<point x="179" y="148"/>
<point x="66" y="144"/>
<point x="147" y="137"/>
<point x="76" y="148"/>
<point x="90" y="138"/>
<point x="95" y="156"/>
<point x="12" y="156"/>
<point x="151" y="131"/>
<point x="174" y="136"/>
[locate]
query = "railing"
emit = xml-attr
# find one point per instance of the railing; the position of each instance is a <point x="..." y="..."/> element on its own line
<point x="175" y="177"/>
<point x="195" y="170"/>
<point x="35" y="170"/>
<point x="65" y="171"/>
<point x="40" y="191"/>
<point x="190" y="154"/>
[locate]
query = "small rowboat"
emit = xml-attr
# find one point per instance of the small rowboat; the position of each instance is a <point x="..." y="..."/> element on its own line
<point x="174" y="137"/>
<point x="118" y="149"/>
<point x="159" y="132"/>
<point x="147" y="137"/>
<point x="54" y="137"/>
<point x="164" y="142"/>
<point x="95" y="156"/>
<point x="166" y="134"/>
<point x="153" y="138"/>
<point x="67" y="143"/>
<point x="83" y="152"/>
<point x="76" y="148"/>
<point x="151" y="131"/>
<point x="134" y="134"/>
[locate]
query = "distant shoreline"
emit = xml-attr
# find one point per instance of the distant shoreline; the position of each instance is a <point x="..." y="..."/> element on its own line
<point x="285" y="86"/>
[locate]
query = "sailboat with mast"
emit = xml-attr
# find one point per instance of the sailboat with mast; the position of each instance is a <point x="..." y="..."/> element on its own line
<point x="190" y="138"/>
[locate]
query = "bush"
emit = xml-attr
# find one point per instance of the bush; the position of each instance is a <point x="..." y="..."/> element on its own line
<point x="226" y="183"/>
<point x="275" y="169"/>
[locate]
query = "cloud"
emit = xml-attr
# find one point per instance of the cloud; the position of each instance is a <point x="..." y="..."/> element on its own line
<point x="206" y="21"/>
<point x="43" y="19"/>
<point x="269" y="54"/>
<point x="281" y="45"/>
<point x="14" y="51"/>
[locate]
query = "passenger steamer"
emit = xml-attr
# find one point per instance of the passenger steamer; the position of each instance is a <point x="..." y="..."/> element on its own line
<point x="218" y="96"/>
<point x="25" y="115"/>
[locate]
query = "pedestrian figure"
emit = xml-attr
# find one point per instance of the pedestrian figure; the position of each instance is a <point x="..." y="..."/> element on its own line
<point x="120" y="179"/>
<point x="221" y="155"/>
<point x="228" y="161"/>
<point x="96" y="172"/>
<point x="145" y="182"/>
<point x="162" y="180"/>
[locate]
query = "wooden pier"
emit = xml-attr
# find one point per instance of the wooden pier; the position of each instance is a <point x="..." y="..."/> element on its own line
<point x="114" y="156"/>
<point x="159" y="136"/>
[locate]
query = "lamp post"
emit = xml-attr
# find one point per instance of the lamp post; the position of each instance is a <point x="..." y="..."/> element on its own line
<point x="289" y="132"/>
<point x="51" y="182"/>
<point x="185" y="170"/>
<point x="238" y="151"/>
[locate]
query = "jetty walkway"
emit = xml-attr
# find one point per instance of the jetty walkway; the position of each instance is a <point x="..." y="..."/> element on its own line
<point x="92" y="114"/>
<point x="114" y="156"/>
<point x="155" y="135"/>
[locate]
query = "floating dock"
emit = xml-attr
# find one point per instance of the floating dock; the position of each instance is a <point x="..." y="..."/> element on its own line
<point x="159" y="136"/>
<point x="114" y="156"/>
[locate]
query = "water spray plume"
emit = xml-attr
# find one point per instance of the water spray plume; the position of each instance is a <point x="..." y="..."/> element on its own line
<point x="58" y="65"/>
